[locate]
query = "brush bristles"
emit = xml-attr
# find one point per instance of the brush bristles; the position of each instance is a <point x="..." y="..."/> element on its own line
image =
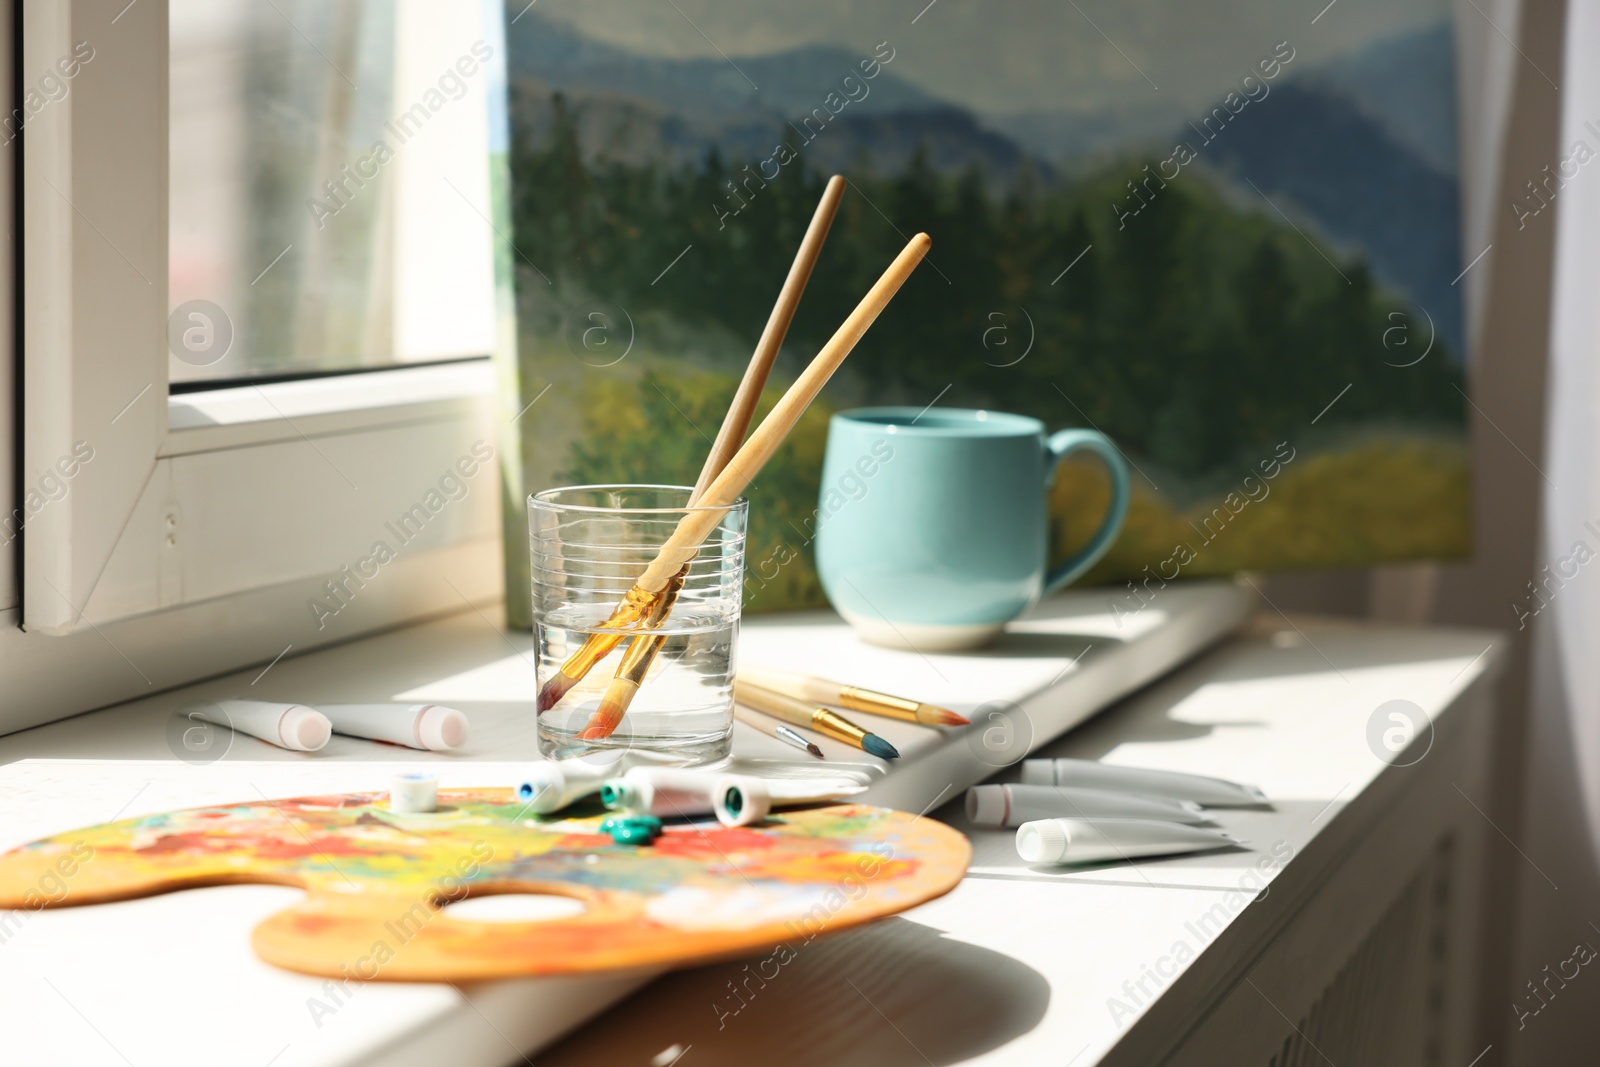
<point x="608" y="716"/>
<point x="603" y="723"/>
<point x="552" y="691"/>
<point x="877" y="746"/>
<point x="814" y="750"/>
<point x="597" y="731"/>
<point x="944" y="716"/>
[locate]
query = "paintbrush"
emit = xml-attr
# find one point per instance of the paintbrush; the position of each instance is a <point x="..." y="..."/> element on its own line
<point x="642" y="652"/>
<point x="797" y="712"/>
<point x="853" y="698"/>
<point x="729" y="437"/>
<point x="697" y="525"/>
<point x="773" y="728"/>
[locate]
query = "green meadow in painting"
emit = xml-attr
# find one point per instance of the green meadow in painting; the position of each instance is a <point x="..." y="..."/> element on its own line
<point x="1214" y="292"/>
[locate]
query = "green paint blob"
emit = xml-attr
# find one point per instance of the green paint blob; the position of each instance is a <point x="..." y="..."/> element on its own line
<point x="635" y="834"/>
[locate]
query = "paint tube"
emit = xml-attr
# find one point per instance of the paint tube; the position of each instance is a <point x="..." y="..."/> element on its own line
<point x="426" y="726"/>
<point x="291" y="726"/>
<point x="1099" y="840"/>
<point x="553" y="784"/>
<point x="736" y="800"/>
<point x="1088" y="774"/>
<point x="1013" y="805"/>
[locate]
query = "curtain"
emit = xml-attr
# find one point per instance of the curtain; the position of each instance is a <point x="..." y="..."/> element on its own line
<point x="1559" y="831"/>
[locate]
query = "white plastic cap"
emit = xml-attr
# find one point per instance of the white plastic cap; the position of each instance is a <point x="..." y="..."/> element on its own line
<point x="441" y="729"/>
<point x="1039" y="772"/>
<point x="304" y="729"/>
<point x="413" y="793"/>
<point x="987" y="805"/>
<point x="544" y="788"/>
<point x="1044" y="841"/>
<point x="633" y="796"/>
<point x="739" y="800"/>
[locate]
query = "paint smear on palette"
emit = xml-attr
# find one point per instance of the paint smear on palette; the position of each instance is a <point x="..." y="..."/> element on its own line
<point x="378" y="883"/>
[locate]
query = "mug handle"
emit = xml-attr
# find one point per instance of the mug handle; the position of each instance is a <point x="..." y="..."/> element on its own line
<point x="1057" y="448"/>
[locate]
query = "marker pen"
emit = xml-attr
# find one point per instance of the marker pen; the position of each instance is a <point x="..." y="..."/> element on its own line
<point x="1098" y="840"/>
<point x="1013" y="805"/>
<point x="1088" y="774"/>
<point x="291" y="726"/>
<point x="427" y="726"/>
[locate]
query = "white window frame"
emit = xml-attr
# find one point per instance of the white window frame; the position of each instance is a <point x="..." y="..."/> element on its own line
<point x="206" y="526"/>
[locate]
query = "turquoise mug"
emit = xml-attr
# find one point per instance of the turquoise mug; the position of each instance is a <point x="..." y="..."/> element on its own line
<point x="932" y="525"/>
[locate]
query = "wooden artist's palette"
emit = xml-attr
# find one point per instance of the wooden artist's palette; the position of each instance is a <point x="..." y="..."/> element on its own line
<point x="376" y="880"/>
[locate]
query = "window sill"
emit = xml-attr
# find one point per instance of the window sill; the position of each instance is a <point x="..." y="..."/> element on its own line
<point x="1260" y="710"/>
<point x="248" y="415"/>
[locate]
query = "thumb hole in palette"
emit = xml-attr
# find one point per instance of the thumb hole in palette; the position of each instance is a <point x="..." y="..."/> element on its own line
<point x="515" y="908"/>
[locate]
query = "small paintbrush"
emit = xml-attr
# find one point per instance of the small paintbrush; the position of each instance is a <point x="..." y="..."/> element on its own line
<point x="851" y="697"/>
<point x="773" y="728"/>
<point x="828" y="723"/>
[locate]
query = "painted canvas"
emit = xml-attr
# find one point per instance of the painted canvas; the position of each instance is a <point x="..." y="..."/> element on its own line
<point x="1223" y="233"/>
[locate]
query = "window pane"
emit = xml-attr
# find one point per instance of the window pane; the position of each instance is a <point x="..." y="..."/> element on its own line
<point x="329" y="186"/>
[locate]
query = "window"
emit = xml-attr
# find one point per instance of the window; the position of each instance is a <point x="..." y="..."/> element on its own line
<point x="229" y="206"/>
<point x="322" y="214"/>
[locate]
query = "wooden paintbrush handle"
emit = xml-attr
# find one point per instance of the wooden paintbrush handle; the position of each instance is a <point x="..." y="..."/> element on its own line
<point x="789" y="709"/>
<point x="730" y="435"/>
<point x="737" y="422"/>
<point x="695" y="527"/>
<point x="799" y="713"/>
<point x="778" y="680"/>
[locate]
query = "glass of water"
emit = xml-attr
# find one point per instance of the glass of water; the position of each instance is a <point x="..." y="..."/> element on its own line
<point x="589" y="545"/>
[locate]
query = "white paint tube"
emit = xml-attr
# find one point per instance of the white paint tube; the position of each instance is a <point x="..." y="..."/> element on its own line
<point x="426" y="726"/>
<point x="1013" y="805"/>
<point x="553" y="784"/>
<point x="291" y="726"/>
<point x="1088" y="774"/>
<point x="1099" y="840"/>
<point x="736" y="800"/>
